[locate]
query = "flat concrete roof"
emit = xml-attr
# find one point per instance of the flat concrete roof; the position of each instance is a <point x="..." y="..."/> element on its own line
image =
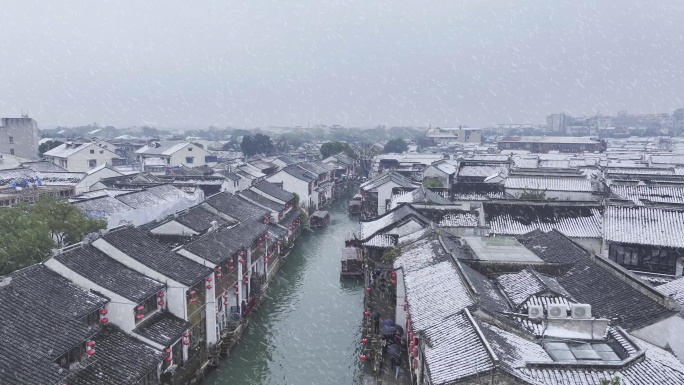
<point x="505" y="249"/>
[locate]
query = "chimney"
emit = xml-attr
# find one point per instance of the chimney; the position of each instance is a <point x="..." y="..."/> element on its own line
<point x="214" y="225"/>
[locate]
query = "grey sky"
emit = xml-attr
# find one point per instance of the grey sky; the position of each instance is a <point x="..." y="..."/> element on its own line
<point x="248" y="63"/>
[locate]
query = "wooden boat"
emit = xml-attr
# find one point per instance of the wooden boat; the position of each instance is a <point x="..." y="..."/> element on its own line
<point x="352" y="262"/>
<point x="319" y="219"/>
<point x="354" y="207"/>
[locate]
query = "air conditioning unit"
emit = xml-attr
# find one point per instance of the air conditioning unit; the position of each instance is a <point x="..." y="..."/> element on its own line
<point x="580" y="310"/>
<point x="558" y="311"/>
<point x="535" y="311"/>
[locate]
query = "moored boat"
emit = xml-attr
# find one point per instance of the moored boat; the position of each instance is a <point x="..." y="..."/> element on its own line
<point x="352" y="262"/>
<point x="319" y="219"/>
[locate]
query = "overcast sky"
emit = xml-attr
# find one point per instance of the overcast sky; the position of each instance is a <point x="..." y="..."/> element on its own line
<point x="182" y="63"/>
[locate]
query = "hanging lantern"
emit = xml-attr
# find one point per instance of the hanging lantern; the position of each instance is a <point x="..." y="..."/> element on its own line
<point x="415" y="340"/>
<point x="394" y="275"/>
<point x="104" y="321"/>
<point x="104" y="312"/>
<point x="242" y="253"/>
<point x="209" y="287"/>
<point x="192" y="292"/>
<point x="225" y="303"/>
<point x="140" y="308"/>
<point x="193" y="300"/>
<point x="208" y="279"/>
<point x="230" y="261"/>
<point x="160" y="295"/>
<point x="140" y="316"/>
<point x="91" y="352"/>
<point x="241" y="260"/>
<point x="168" y="359"/>
<point x="218" y="268"/>
<point x="364" y="341"/>
<point x="414" y="352"/>
<point x="186" y="334"/>
<point x="167" y="351"/>
<point x="160" y="303"/>
<point x="394" y="282"/>
<point x="414" y="363"/>
<point x="90" y="344"/>
<point x="363" y="357"/>
<point x="367" y="313"/>
<point x="219" y="275"/>
<point x="368" y="289"/>
<point x="235" y="286"/>
<point x="231" y="268"/>
<point x="186" y="342"/>
<point x="236" y="292"/>
<point x="225" y="296"/>
<point x="266" y="259"/>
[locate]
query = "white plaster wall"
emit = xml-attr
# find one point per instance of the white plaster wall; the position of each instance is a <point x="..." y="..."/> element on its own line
<point x="665" y="333"/>
<point x="293" y="185"/>
<point x="178" y="158"/>
<point x="384" y="194"/>
<point x="175" y="294"/>
<point x="257" y="191"/>
<point x="590" y="244"/>
<point x="407" y="228"/>
<point x="87" y="183"/>
<point x="78" y="161"/>
<point x="434" y="172"/>
<point x="145" y="215"/>
<point x="399" y="313"/>
<point x="120" y="311"/>
<point x="173" y="227"/>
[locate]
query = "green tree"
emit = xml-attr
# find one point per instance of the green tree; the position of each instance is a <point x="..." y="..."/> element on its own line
<point x="257" y="144"/>
<point x="49" y="145"/>
<point x="333" y="148"/>
<point x="614" y="381"/>
<point x="389" y="255"/>
<point x="395" y="146"/>
<point x="432" y="182"/>
<point x="65" y="222"/>
<point x="424" y="141"/>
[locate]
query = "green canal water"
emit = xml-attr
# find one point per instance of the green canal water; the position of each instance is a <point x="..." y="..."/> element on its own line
<point x="309" y="328"/>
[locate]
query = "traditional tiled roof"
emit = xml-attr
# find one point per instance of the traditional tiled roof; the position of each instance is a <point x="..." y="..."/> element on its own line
<point x="639" y="171"/>
<point x="610" y="296"/>
<point x="460" y="220"/>
<point x="237" y="208"/>
<point x="675" y="288"/>
<point x="134" y="243"/>
<point x="482" y="170"/>
<point x="162" y="327"/>
<point x="644" y="226"/>
<point x="652" y="193"/>
<point x="152" y="196"/>
<point x="276" y="192"/>
<point x="262" y="200"/>
<point x="520" y="286"/>
<point x="455" y="351"/>
<point x="94" y="265"/>
<point x="120" y="359"/>
<point x="515" y="218"/>
<point x="164" y="148"/>
<point x="419" y="195"/>
<point x="550" y="139"/>
<point x="390" y="218"/>
<point x="477" y="191"/>
<point x="300" y="173"/>
<point x="43" y="166"/>
<point x="447" y="167"/>
<point x="288" y="160"/>
<point x="381" y="241"/>
<point x="550" y="184"/>
<point x="104" y="204"/>
<point x="217" y="246"/>
<point x="199" y="219"/>
<point x="394" y="177"/>
<point x="486" y="293"/>
<point x="425" y="263"/>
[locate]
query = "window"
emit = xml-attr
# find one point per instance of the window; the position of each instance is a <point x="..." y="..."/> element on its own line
<point x="11" y="151"/>
<point x="101" y="151"/>
<point x="149" y="306"/>
<point x="189" y="148"/>
<point x="92" y="163"/>
<point x="573" y="352"/>
<point x="92" y="151"/>
<point x="11" y="140"/>
<point x="189" y="159"/>
<point x="94" y="317"/>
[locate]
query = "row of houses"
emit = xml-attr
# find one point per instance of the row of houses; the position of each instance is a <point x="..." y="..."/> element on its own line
<point x="536" y="307"/>
<point x="162" y="294"/>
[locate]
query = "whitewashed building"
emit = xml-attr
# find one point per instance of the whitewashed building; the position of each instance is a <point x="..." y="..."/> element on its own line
<point x="80" y="157"/>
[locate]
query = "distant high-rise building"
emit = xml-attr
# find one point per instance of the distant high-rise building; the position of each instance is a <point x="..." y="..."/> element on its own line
<point x="557" y="123"/>
<point x="19" y="137"/>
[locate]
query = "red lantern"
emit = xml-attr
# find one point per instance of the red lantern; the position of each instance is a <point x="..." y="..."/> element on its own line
<point x="367" y="313"/>
<point x="104" y="312"/>
<point x="140" y="316"/>
<point x="218" y="268"/>
<point x="104" y="321"/>
<point x="414" y="352"/>
<point x="186" y="342"/>
<point x="236" y="292"/>
<point x="414" y="363"/>
<point x="192" y="292"/>
<point x="225" y="303"/>
<point x="225" y="296"/>
<point x="160" y="303"/>
<point x="235" y="286"/>
<point x="364" y="341"/>
<point x="91" y="344"/>
<point x="394" y="282"/>
<point x="208" y="279"/>
<point x="415" y="340"/>
<point x="230" y="261"/>
<point x="160" y="295"/>
<point x="167" y="351"/>
<point x="186" y="334"/>
<point x="241" y="260"/>
<point x="168" y="359"/>
<point x="193" y="300"/>
<point x="231" y="268"/>
<point x="209" y="287"/>
<point x="363" y="357"/>
<point x="218" y="275"/>
<point x="91" y="352"/>
<point x="140" y="308"/>
<point x="394" y="275"/>
<point x="242" y="253"/>
<point x="368" y="289"/>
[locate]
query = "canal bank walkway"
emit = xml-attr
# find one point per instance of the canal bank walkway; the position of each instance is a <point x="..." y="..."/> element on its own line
<point x="309" y="329"/>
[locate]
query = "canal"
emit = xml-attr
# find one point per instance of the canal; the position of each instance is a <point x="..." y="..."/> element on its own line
<point x="308" y="330"/>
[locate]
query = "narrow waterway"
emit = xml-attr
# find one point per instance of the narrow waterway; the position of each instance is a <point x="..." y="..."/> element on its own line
<point x="308" y="330"/>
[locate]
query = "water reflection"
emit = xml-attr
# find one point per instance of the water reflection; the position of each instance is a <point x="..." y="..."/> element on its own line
<point x="308" y="331"/>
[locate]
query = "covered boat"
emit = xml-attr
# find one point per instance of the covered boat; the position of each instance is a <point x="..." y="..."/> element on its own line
<point x="354" y="207"/>
<point x="319" y="219"/>
<point x="352" y="262"/>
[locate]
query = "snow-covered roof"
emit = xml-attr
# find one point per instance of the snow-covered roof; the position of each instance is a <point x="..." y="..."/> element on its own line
<point x="482" y="170"/>
<point x="371" y="227"/>
<point x="65" y="150"/>
<point x="386" y="178"/>
<point x="549" y="184"/>
<point x="519" y="287"/>
<point x="419" y="195"/>
<point x="163" y="148"/>
<point x="446" y="166"/>
<point x="549" y="139"/>
<point x="653" y="193"/>
<point x="381" y="241"/>
<point x="520" y="218"/>
<point x="675" y="288"/>
<point x="460" y="220"/>
<point x="644" y="226"/>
